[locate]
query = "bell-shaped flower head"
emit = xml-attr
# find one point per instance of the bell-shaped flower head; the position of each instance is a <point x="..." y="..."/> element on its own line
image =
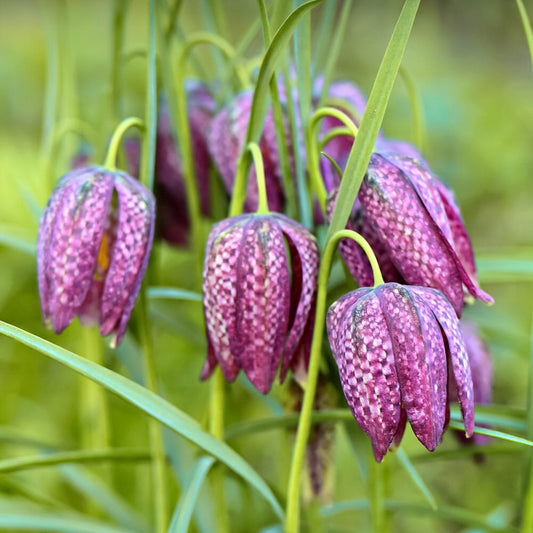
<point x="94" y="243"/>
<point x="256" y="308"/>
<point x="393" y="344"/>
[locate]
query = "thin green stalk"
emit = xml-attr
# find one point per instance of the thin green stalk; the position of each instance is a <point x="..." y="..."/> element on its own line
<point x="262" y="206"/>
<point x="95" y="412"/>
<point x="527" y="512"/>
<point x="334" y="49"/>
<point x="155" y="431"/>
<point x="416" y="108"/>
<point x="339" y="131"/>
<point x="526" y="22"/>
<point x="304" y="423"/>
<point x="321" y="44"/>
<point x="119" y="16"/>
<point x="216" y="427"/>
<point x="111" y="158"/>
<point x="172" y="18"/>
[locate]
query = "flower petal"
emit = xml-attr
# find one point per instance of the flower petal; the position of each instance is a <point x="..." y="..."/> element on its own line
<point x="305" y="257"/>
<point x="262" y="301"/>
<point x="447" y="319"/>
<point x="129" y="255"/>
<point x="219" y="293"/>
<point x="368" y="372"/>
<point x="75" y="243"/>
<point x="407" y="231"/>
<point x="420" y="361"/>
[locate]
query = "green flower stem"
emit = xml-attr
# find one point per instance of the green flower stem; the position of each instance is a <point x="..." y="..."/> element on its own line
<point x="216" y="427"/>
<point x="119" y="17"/>
<point x="156" y="435"/>
<point x="332" y="134"/>
<point x="111" y="158"/>
<point x="312" y="152"/>
<point x="377" y="492"/>
<point x="417" y="111"/>
<point x="95" y="412"/>
<point x="262" y="207"/>
<point x="304" y="423"/>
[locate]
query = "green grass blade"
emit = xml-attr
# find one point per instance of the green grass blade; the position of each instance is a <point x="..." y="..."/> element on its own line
<point x="500" y="269"/>
<point x="260" y="99"/>
<point x="182" y="515"/>
<point x="150" y="403"/>
<point x="415" y="476"/>
<point x="372" y="118"/>
<point x="417" y="109"/>
<point x="527" y="27"/>
<point x="493" y="433"/>
<point x="494" y="416"/>
<point x="172" y="293"/>
<point x="11" y="238"/>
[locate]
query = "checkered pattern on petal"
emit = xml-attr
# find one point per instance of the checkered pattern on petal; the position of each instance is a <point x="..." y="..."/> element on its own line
<point x="368" y="372"/>
<point x="128" y="256"/>
<point x="447" y="319"/>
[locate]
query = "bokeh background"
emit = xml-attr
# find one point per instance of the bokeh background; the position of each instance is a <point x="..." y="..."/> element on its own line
<point x="471" y="65"/>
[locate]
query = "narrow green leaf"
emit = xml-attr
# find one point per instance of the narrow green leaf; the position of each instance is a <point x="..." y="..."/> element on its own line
<point x="468" y="452"/>
<point x="12" y="239"/>
<point x="372" y="118"/>
<point x="417" y="109"/>
<point x="150" y="403"/>
<point x="78" y="456"/>
<point x="415" y="476"/>
<point x="527" y="27"/>
<point x="494" y="415"/>
<point x="172" y="293"/>
<point x="184" y="509"/>
<point x="260" y="98"/>
<point x="493" y="433"/>
<point x="500" y="269"/>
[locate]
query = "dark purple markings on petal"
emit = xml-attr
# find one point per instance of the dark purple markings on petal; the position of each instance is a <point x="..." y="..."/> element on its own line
<point x="129" y="255"/>
<point x="420" y="361"/>
<point x="305" y="257"/>
<point x="447" y="319"/>
<point x="49" y="220"/>
<point x="336" y="313"/>
<point x="262" y="301"/>
<point x="368" y="372"/>
<point x="412" y="239"/>
<point x="299" y="363"/>
<point x="75" y="244"/>
<point x="219" y="295"/>
<point x="461" y="239"/>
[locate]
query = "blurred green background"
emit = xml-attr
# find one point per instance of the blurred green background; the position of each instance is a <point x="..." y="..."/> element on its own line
<point x="471" y="65"/>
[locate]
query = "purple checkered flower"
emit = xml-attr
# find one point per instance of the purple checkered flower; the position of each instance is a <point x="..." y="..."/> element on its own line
<point x="256" y="310"/>
<point x="94" y="242"/>
<point x="413" y="222"/>
<point x="393" y="345"/>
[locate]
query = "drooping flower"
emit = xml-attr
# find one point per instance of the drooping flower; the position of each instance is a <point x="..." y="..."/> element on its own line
<point x="255" y="310"/>
<point x="225" y="141"/>
<point x="413" y="221"/>
<point x="94" y="242"/>
<point x="169" y="185"/>
<point x="392" y="345"/>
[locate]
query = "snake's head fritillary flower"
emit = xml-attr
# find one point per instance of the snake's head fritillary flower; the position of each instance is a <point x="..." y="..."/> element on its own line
<point x="412" y="220"/>
<point x="94" y="242"/>
<point x="392" y="345"/>
<point x="225" y="141"/>
<point x="256" y="310"/>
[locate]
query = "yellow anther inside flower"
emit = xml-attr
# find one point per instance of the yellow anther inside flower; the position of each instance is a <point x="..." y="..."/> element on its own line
<point x="102" y="262"/>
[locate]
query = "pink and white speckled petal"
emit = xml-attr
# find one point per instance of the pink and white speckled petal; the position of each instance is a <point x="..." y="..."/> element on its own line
<point x="420" y="361"/>
<point x="128" y="256"/>
<point x="336" y="313"/>
<point x="304" y="260"/>
<point x="368" y="372"/>
<point x="220" y="292"/>
<point x="211" y="361"/>
<point x="262" y="301"/>
<point x="75" y="243"/>
<point x="447" y="319"/>
<point x="49" y="219"/>
<point x="410" y="236"/>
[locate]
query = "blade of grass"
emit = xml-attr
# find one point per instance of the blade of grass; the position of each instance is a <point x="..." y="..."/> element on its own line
<point x="372" y="118"/>
<point x="504" y="269"/>
<point x="150" y="403"/>
<point x="493" y="433"/>
<point x="526" y="22"/>
<point x="172" y="293"/>
<point x="184" y="509"/>
<point x="417" y="109"/>
<point x="415" y="476"/>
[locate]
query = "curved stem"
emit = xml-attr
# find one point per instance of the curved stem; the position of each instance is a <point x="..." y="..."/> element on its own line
<point x="262" y="206"/>
<point x="333" y="133"/>
<point x="127" y="123"/>
<point x="312" y="154"/>
<point x="304" y="423"/>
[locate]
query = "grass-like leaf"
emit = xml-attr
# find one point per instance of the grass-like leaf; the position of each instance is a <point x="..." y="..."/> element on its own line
<point x="372" y="118"/>
<point x="172" y="293"/>
<point x="493" y="433"/>
<point x="182" y="515"/>
<point x="527" y="27"/>
<point x="150" y="403"/>
<point x="11" y="239"/>
<point x="415" y="476"/>
<point x="504" y="269"/>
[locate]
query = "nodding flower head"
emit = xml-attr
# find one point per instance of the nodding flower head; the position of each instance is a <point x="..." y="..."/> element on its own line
<point x="393" y="345"/>
<point x="94" y="242"/>
<point x="255" y="309"/>
<point x="414" y="224"/>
